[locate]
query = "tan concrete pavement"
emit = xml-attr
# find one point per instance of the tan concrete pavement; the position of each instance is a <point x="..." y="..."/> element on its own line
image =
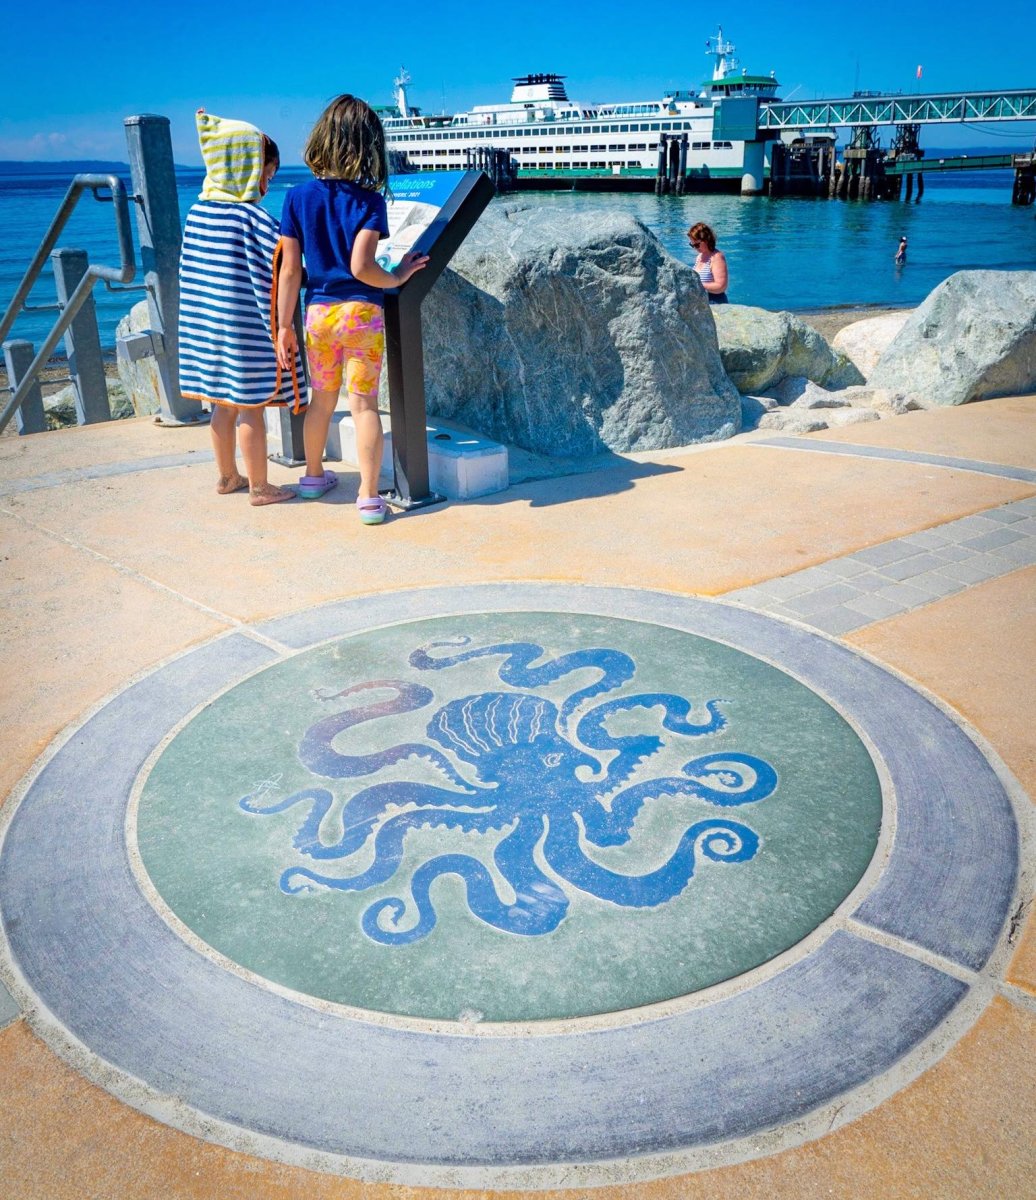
<point x="105" y="577"/>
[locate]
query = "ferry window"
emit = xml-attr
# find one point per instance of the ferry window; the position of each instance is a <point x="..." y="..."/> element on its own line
<point x="724" y="145"/>
<point x="546" y="149"/>
<point x="702" y="145"/>
<point x="596" y="149"/>
<point x="597" y="166"/>
<point x="655" y="125"/>
<point x="624" y="129"/>
<point x="615" y="148"/>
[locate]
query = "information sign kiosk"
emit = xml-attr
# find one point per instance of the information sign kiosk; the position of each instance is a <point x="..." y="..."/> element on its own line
<point x="431" y="213"/>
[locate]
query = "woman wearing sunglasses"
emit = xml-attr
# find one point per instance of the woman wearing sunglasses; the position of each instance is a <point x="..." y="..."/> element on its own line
<point x="710" y="263"/>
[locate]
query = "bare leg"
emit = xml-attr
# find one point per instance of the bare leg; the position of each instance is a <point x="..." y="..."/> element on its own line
<point x="223" y="428"/>
<point x="253" y="451"/>
<point x="315" y="427"/>
<point x="369" y="442"/>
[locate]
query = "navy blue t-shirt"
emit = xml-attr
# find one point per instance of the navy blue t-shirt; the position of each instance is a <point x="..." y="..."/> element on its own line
<point x="324" y="216"/>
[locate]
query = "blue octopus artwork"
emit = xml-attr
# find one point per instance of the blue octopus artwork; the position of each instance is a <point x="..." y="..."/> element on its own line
<point x="514" y="761"/>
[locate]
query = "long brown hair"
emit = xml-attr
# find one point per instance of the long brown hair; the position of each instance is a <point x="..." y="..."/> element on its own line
<point x="348" y="142"/>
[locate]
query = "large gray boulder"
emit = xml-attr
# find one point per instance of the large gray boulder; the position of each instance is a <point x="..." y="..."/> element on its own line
<point x="570" y="335"/>
<point x="974" y="337"/>
<point x="760" y="349"/>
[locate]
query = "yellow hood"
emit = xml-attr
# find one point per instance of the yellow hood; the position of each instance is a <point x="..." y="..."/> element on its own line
<point x="233" y="156"/>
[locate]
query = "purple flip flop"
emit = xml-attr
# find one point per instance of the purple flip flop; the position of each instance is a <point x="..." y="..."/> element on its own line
<point x="372" y="509"/>
<point x="312" y="487"/>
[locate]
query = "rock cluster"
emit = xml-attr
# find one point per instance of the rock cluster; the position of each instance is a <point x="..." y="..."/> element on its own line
<point x="801" y="406"/>
<point x="60" y="407"/>
<point x="573" y="334"/>
<point x="973" y="338"/>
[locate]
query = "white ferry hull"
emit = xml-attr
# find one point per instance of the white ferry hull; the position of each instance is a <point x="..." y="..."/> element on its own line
<point x="541" y="139"/>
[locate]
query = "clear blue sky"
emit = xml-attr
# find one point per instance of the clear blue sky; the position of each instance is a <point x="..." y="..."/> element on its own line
<point x="276" y="65"/>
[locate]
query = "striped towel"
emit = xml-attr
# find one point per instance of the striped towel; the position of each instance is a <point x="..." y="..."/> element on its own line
<point x="233" y="156"/>
<point x="226" y="351"/>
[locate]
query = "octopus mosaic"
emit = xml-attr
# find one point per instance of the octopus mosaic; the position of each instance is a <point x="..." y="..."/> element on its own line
<point x="551" y="779"/>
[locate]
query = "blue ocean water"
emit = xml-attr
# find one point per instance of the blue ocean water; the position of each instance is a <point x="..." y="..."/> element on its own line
<point x="783" y="254"/>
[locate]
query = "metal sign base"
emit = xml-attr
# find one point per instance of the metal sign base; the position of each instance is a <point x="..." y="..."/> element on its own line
<point x="409" y="503"/>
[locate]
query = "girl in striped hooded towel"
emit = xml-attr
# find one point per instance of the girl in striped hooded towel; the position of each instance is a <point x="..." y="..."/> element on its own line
<point x="227" y="356"/>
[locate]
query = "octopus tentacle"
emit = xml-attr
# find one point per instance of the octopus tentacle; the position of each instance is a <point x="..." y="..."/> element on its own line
<point x="738" y="787"/>
<point x="517" y="670"/>
<point x="744" y="778"/>
<point x="360" y="813"/>
<point x="634" y="749"/>
<point x="722" y="841"/>
<point x="316" y="750"/>
<point x="539" y="907"/>
<point x="388" y="851"/>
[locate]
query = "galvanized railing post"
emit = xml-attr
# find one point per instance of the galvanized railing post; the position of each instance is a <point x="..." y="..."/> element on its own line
<point x="158" y="226"/>
<point x="18" y="356"/>
<point x="82" y="340"/>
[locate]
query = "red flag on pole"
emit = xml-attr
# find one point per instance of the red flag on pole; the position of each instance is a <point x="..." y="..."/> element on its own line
<point x="918" y="72"/>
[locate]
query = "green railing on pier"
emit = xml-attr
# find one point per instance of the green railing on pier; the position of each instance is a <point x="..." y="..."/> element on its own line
<point x="964" y="162"/>
<point x="624" y="173"/>
<point x="900" y="110"/>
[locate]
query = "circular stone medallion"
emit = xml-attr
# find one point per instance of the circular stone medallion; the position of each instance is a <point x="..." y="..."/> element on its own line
<point x="509" y="817"/>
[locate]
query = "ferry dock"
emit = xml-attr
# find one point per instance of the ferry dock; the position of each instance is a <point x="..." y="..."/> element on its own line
<point x="735" y="135"/>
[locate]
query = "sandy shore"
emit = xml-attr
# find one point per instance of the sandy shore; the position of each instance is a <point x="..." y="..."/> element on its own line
<point x="828" y="321"/>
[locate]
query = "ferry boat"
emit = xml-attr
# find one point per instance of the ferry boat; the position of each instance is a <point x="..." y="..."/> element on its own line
<point x="551" y="141"/>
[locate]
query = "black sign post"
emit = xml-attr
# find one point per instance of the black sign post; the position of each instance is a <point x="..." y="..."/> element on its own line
<point x="404" y="349"/>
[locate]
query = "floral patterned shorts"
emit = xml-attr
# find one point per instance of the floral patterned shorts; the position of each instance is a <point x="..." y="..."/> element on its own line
<point x="350" y="335"/>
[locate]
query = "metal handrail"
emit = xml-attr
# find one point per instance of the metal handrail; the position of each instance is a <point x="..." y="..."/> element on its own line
<point x="123" y="273"/>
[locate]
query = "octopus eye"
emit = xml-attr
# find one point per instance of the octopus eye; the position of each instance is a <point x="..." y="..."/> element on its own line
<point x="551" y="760"/>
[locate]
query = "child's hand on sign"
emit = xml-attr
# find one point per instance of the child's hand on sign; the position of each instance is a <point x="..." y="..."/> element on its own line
<point x="409" y="265"/>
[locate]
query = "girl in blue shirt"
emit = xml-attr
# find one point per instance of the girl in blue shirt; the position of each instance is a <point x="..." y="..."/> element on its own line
<point x="333" y="223"/>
